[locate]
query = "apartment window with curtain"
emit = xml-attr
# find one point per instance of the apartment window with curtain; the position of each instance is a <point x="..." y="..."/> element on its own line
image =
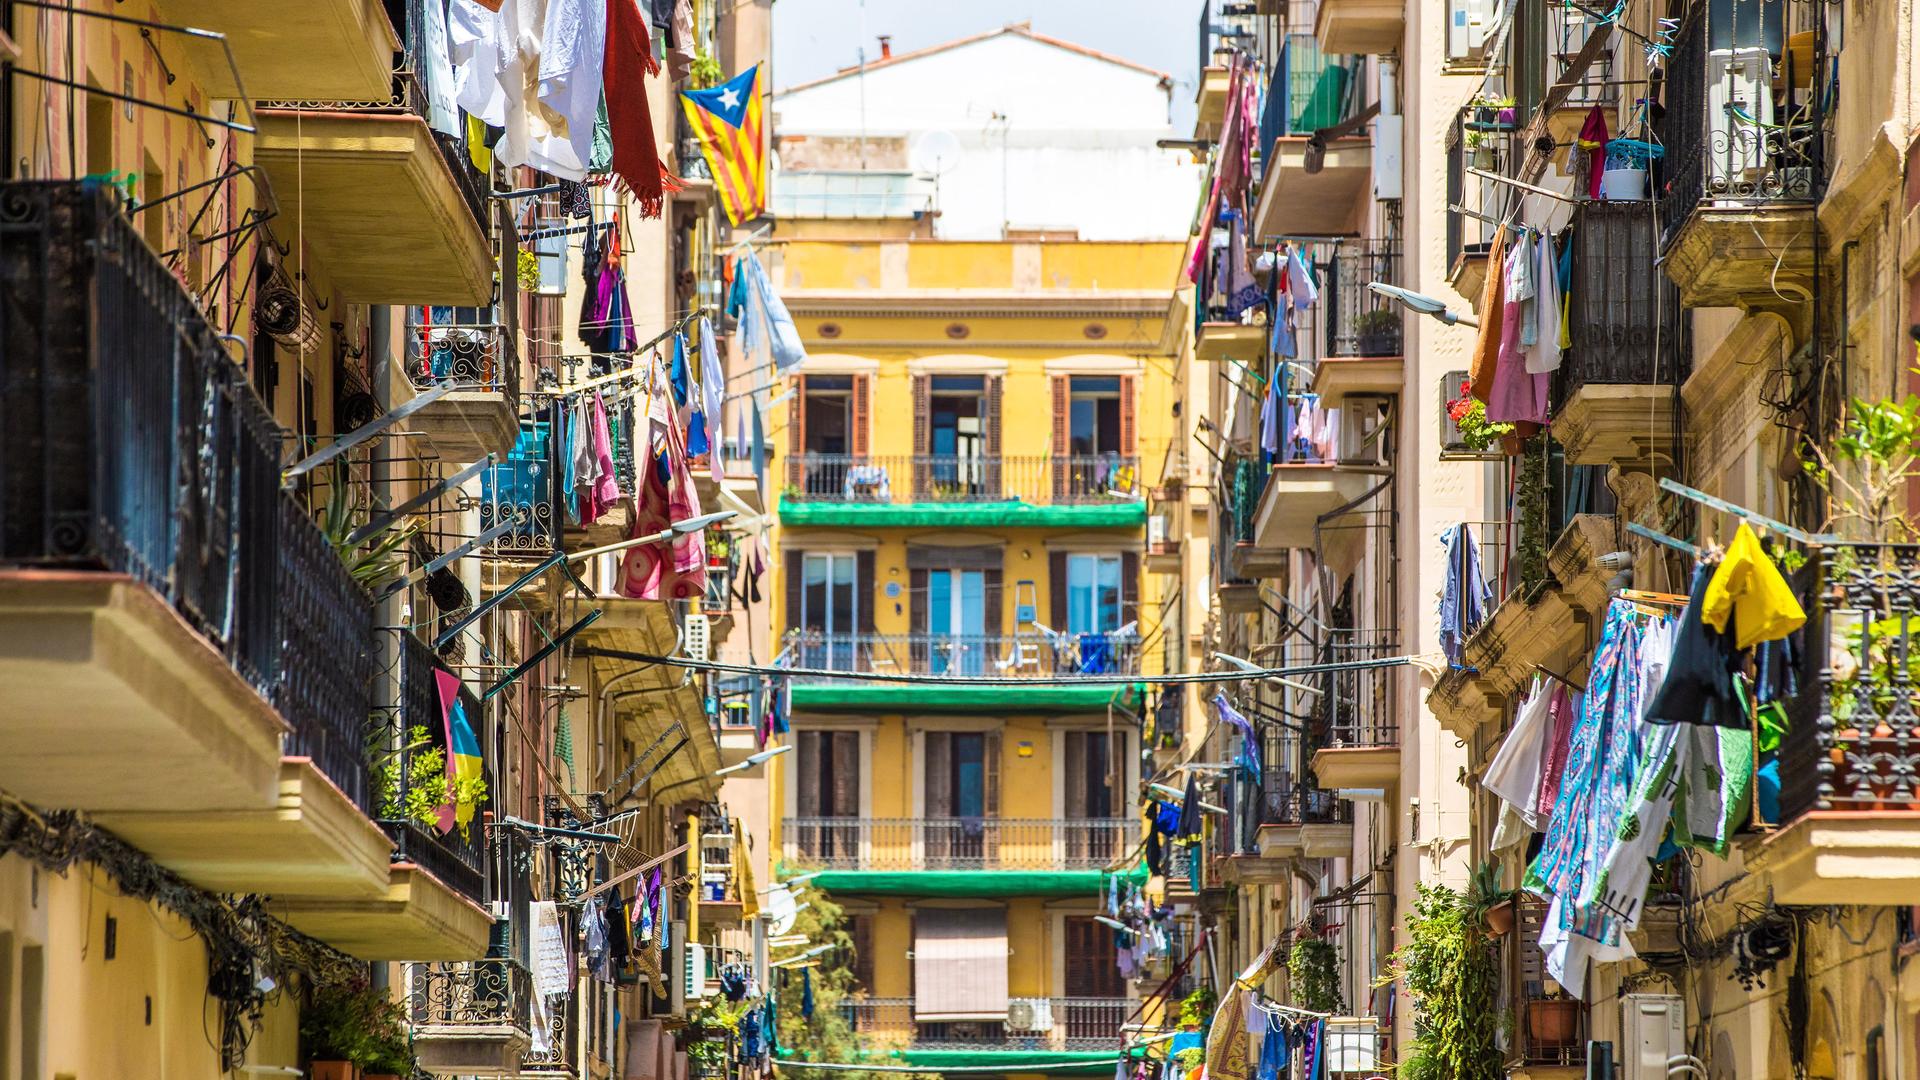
<point x="960" y="969"/>
<point x="1093" y="594"/>
<point x="961" y="797"/>
<point x="827" y="607"/>
<point x="956" y="436"/>
<point x="827" y="431"/>
<point x="1093" y="415"/>
<point x="1090" y="803"/>
<point x="1093" y="437"/>
<point x="956" y="601"/>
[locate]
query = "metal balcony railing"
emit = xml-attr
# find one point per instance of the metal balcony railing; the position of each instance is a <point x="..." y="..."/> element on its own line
<point x="457" y="860"/>
<point x="1279" y="796"/>
<point x="469" y="996"/>
<point x="954" y="478"/>
<point x="1549" y="1027"/>
<point x="1034" y="655"/>
<point x="133" y="444"/>
<point x="464" y="346"/>
<point x="1750" y="102"/>
<point x="1625" y="326"/>
<point x="937" y="843"/>
<point x="1358" y="321"/>
<point x="1059" y="1023"/>
<point x="1358" y="703"/>
<point x="524" y="490"/>
<point x="1478" y="140"/>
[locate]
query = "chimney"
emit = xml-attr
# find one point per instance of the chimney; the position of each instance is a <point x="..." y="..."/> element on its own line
<point x="886" y="46"/>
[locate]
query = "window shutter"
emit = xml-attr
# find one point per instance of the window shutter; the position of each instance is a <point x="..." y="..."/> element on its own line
<point x="857" y="441"/>
<point x="922" y="431"/>
<point x="791" y="571"/>
<point x="992" y="769"/>
<point x="1061" y="444"/>
<point x="846" y="774"/>
<point x="1057" y="586"/>
<point x="863" y="590"/>
<point x="861" y="931"/>
<point x="1126" y="416"/>
<point x="994" y="623"/>
<point x="939" y="775"/>
<point x="990" y="426"/>
<point x="808" y="794"/>
<point x="1076" y="766"/>
<point x="1129" y="586"/>
<point x="797" y="432"/>
<point x="917" y="601"/>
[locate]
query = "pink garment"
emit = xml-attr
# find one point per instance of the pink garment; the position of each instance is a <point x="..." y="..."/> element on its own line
<point x="676" y="570"/>
<point x="1204" y="243"/>
<point x="1563" y="709"/>
<point x="1516" y="395"/>
<point x="605" y="489"/>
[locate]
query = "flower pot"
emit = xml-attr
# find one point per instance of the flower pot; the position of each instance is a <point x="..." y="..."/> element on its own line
<point x="1377" y="343"/>
<point x="1504" y="116"/>
<point x="332" y="1070"/>
<point x="1500" y="918"/>
<point x="1553" y="1025"/>
<point x="1513" y="444"/>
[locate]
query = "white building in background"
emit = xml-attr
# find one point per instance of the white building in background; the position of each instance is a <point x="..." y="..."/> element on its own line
<point x="1006" y="133"/>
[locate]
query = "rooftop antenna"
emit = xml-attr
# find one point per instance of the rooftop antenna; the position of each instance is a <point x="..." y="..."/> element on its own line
<point x="935" y="153"/>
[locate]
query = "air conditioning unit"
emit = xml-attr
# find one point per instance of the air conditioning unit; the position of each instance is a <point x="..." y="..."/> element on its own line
<point x="1738" y="80"/>
<point x="1653" y="1030"/>
<point x="1363" y="438"/>
<point x="1353" y="1045"/>
<point x="696" y="973"/>
<point x="697" y="637"/>
<point x="1467" y="24"/>
<point x="1029" y="1014"/>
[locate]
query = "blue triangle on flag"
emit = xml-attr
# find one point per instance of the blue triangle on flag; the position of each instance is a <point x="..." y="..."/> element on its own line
<point x="728" y="101"/>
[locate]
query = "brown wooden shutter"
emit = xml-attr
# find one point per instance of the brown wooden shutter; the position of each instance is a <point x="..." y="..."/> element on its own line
<point x="990" y="427"/>
<point x="991" y="761"/>
<point x="922" y="432"/>
<point x="846" y="774"/>
<point x="1126" y="416"/>
<point x="860" y="929"/>
<point x="857" y="439"/>
<point x="1093" y="970"/>
<point x="1076" y="778"/>
<point x="995" y="621"/>
<point x="791" y="570"/>
<point x="938" y="796"/>
<point x="863" y="590"/>
<point x="808" y="792"/>
<point x="1062" y="445"/>
<point x="1129" y="586"/>
<point x="917" y="602"/>
<point x="797" y="433"/>
<point x="1057" y="587"/>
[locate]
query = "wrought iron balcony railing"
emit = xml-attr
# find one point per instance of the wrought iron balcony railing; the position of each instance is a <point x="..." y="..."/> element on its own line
<point x="949" y="843"/>
<point x="956" y="478"/>
<point x="1034" y="655"/>
<point x="465" y="346"/>
<point x="1625" y="325"/>
<point x="469" y="996"/>
<point x="457" y="858"/>
<point x="524" y="491"/>
<point x="1061" y="1023"/>
<point x="133" y="444"/>
<point x="1750" y="100"/>
<point x="1358" y="321"/>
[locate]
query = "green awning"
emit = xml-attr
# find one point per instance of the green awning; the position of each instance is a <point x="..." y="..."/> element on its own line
<point x="1098" y="1062"/>
<point x="853" y="515"/>
<point x="925" y="698"/>
<point x="967" y="884"/>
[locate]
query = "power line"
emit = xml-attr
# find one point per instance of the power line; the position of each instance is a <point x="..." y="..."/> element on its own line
<point x="835" y="1066"/>
<point x="1104" y="679"/>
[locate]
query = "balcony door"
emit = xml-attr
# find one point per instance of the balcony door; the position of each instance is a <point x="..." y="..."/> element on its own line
<point x="1092" y="834"/>
<point x="1094" y="594"/>
<point x="827" y="795"/>
<point x="827" y="609"/>
<point x="1093" y="437"/>
<point x="956" y="420"/>
<point x="956" y="621"/>
<point x="827" y="431"/>
<point x="962" y="799"/>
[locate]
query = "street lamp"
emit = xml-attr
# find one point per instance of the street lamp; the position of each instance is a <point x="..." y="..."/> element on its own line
<point x="751" y="760"/>
<point x="1248" y="665"/>
<point x="1422" y="304"/>
<point x="678" y="528"/>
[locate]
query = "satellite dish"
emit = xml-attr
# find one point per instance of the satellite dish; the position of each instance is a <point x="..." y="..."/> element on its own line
<point x="935" y="153"/>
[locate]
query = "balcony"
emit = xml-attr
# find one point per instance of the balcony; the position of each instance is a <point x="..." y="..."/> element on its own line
<point x="1280" y="816"/>
<point x="1210" y="102"/>
<point x="1356" y="321"/>
<point x="957" y="843"/>
<point x="470" y="1019"/>
<point x="171" y="623"/>
<point x="1849" y="805"/>
<point x="1367" y="27"/>
<point x="1053" y="661"/>
<point x="330" y="49"/>
<point x="1362" y="748"/>
<point x="1630" y="343"/>
<point x="395" y="211"/>
<point x="1748" y="131"/>
<point x="1298" y="494"/>
<point x="1044" y="1024"/>
<point x="1314" y="192"/>
<point x="469" y="348"/>
<point x="1223" y="342"/>
<point x="946" y="490"/>
<point x="1549" y="1028"/>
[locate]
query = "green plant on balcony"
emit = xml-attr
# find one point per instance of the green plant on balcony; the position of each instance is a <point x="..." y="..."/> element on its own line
<point x="1314" y="966"/>
<point x="1530" y="514"/>
<point x="704" y="71"/>
<point x="1377" y="332"/>
<point x="528" y="272"/>
<point x="1490" y="901"/>
<point x="1452" y="975"/>
<point x="427" y="788"/>
<point x="1196" y="1009"/>
<point x="1469" y="418"/>
<point x="360" y="1026"/>
<point x="377" y="560"/>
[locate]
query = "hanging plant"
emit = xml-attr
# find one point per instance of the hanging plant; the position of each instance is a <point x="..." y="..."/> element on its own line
<point x="1469" y="417"/>
<point x="427" y="788"/>
<point x="1451" y="973"/>
<point x="1530" y="514"/>
<point x="704" y="71"/>
<point x="1314" y="966"/>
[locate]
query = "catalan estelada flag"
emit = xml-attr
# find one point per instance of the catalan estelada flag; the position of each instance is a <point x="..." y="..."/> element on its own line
<point x="463" y="752"/>
<point x="727" y="120"/>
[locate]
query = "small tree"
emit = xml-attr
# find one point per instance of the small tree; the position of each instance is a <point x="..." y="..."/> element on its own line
<point x="1453" y="979"/>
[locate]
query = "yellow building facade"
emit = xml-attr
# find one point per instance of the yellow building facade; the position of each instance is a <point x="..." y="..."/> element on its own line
<point x="961" y="466"/>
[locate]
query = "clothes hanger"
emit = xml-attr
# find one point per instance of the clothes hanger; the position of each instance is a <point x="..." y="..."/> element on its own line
<point x="1559" y="678"/>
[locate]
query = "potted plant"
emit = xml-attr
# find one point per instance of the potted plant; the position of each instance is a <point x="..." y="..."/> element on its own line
<point x="349" y="1032"/>
<point x="1554" y="1023"/>
<point x="1480" y="150"/>
<point x="1314" y="966"/>
<point x="1469" y="418"/>
<point x="426" y="788"/>
<point x="1492" y="113"/>
<point x="1377" y="332"/>
<point x="1491" y="901"/>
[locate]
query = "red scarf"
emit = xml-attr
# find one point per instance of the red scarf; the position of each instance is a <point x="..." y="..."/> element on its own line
<point x="636" y="158"/>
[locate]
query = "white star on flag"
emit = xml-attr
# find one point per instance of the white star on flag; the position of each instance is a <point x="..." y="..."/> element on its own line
<point x="730" y="97"/>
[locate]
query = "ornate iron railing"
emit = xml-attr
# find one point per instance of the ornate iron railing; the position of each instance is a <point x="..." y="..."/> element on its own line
<point x="133" y="444"/>
<point x="524" y="490"/>
<point x="1058" y="1023"/>
<point x="469" y="996"/>
<point x="937" y="843"/>
<point x="465" y="346"/>
<point x="1357" y="320"/>
<point x="944" y="478"/>
<point x="1625" y="325"/>
<point x="1749" y="108"/>
<point x="1033" y="655"/>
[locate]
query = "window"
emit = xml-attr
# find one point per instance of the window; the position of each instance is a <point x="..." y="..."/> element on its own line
<point x="960" y="964"/>
<point x="1093" y="594"/>
<point x="957" y="610"/>
<point x="827" y="793"/>
<point x="956" y="442"/>
<point x="1093" y="835"/>
<point x="1093" y="415"/>
<point x="829" y="408"/>
<point x="829" y="598"/>
<point x="1093" y="970"/>
<point x="962" y="794"/>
